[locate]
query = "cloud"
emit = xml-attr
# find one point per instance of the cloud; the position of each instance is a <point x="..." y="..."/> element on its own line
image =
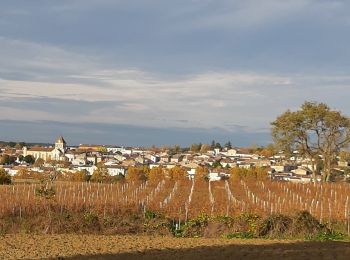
<point x="145" y="100"/>
<point x="71" y="87"/>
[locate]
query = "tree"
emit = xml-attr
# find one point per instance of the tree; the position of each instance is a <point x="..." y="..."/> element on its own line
<point x="218" y="146"/>
<point x="20" y="158"/>
<point x="22" y="173"/>
<point x="177" y="148"/>
<point x="253" y="148"/>
<point x="216" y="164"/>
<point x="174" y="149"/>
<point x="155" y="149"/>
<point x="344" y="156"/>
<point x="202" y="173"/>
<point x="178" y="173"/>
<point x="195" y="148"/>
<point x="100" y="174"/>
<point x="155" y="174"/>
<point x="79" y="176"/>
<point x="205" y="148"/>
<point x="313" y="130"/>
<point x="12" y="144"/>
<point x="39" y="162"/>
<point x="102" y="149"/>
<point x="29" y="159"/>
<point x="12" y="159"/>
<point x="268" y="151"/>
<point x="5" y="159"/>
<point x="212" y="146"/>
<point x="135" y="174"/>
<point x="228" y="145"/>
<point x="5" y="178"/>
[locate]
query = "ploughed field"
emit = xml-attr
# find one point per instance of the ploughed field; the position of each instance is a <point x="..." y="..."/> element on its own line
<point x="22" y="246"/>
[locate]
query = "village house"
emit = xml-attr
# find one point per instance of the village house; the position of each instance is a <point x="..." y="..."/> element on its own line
<point x="115" y="170"/>
<point x="165" y="158"/>
<point x="302" y="171"/>
<point x="115" y="149"/>
<point x="176" y="158"/>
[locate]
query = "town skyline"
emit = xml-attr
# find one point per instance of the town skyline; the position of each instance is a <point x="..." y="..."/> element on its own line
<point x="72" y="143"/>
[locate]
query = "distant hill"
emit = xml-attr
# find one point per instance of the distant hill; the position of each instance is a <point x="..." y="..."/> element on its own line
<point x="12" y="144"/>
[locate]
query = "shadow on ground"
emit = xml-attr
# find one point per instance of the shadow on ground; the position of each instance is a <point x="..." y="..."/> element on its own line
<point x="297" y="250"/>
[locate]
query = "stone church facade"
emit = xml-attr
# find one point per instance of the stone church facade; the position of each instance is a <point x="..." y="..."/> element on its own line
<point x="56" y="153"/>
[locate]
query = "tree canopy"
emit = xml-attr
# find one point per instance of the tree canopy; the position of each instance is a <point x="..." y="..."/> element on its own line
<point x="314" y="131"/>
<point x="5" y="178"/>
<point x="29" y="159"/>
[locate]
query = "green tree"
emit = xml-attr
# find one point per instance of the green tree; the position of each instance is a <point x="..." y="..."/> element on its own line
<point x="228" y="145"/>
<point x="218" y="146"/>
<point x="313" y="130"/>
<point x="212" y="146"/>
<point x="216" y="164"/>
<point x="29" y="159"/>
<point x="12" y="144"/>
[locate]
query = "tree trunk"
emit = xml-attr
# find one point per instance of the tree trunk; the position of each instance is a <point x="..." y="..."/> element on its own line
<point x="313" y="170"/>
<point x="327" y="167"/>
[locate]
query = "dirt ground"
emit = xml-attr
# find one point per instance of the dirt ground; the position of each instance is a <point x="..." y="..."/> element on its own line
<point x="146" y="247"/>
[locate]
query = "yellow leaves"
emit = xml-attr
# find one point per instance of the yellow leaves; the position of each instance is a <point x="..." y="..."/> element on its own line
<point x="135" y="174"/>
<point x="257" y="173"/>
<point x="178" y="173"/>
<point x="155" y="174"/>
<point x="201" y="172"/>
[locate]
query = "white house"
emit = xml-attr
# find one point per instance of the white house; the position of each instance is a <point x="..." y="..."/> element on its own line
<point x="114" y="170"/>
<point x="214" y="176"/>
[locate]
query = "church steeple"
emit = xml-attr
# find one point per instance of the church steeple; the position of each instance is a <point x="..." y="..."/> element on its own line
<point x="60" y="144"/>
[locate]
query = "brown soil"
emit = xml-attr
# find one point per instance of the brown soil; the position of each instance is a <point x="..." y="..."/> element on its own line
<point x="22" y="246"/>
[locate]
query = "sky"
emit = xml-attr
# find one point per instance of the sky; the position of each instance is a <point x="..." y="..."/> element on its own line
<point x="144" y="72"/>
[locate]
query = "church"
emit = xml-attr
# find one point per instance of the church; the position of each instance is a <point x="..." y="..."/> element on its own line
<point x="48" y="153"/>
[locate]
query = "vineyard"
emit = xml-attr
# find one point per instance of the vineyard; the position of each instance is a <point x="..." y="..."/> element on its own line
<point x="182" y="199"/>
